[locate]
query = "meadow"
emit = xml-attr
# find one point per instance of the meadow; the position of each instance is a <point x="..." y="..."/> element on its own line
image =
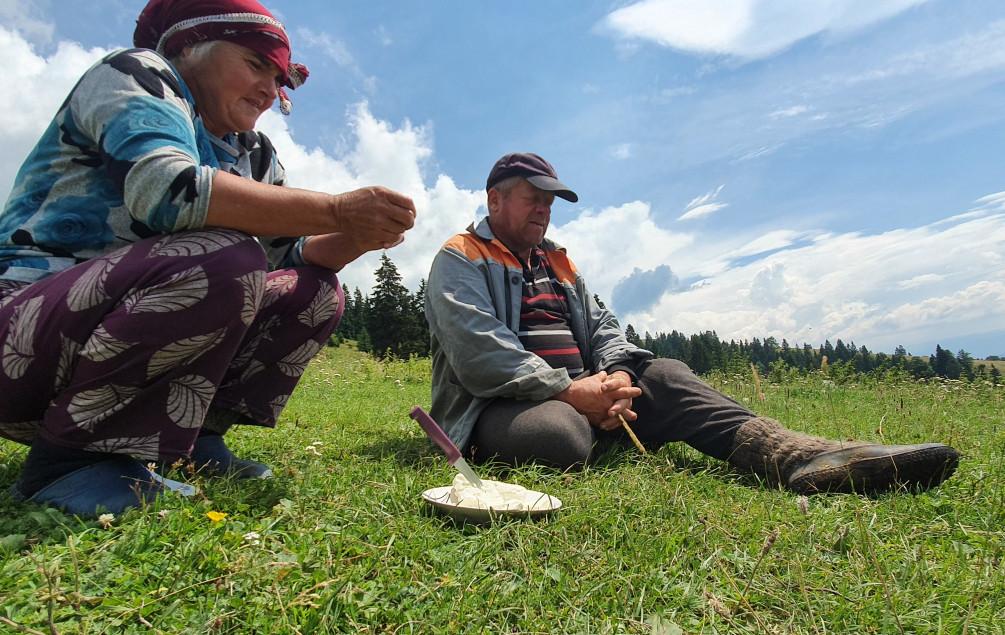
<point x="668" y="543"/>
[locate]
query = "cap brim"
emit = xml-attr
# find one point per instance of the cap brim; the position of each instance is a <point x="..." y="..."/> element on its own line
<point x="550" y="184"/>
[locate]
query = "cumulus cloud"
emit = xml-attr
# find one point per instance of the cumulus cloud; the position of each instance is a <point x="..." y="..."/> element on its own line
<point x="26" y="18"/>
<point x="703" y="205"/>
<point x="876" y="289"/>
<point x="610" y="244"/>
<point x="642" y="289"/>
<point x="768" y="287"/>
<point x="36" y="86"/>
<point x="382" y="154"/>
<point x="745" y="29"/>
<point x="379" y="153"/>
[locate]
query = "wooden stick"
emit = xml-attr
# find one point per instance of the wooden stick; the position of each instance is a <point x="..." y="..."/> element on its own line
<point x="635" y="439"/>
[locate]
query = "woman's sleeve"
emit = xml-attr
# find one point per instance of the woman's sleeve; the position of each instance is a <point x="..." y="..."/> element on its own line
<point x="133" y="106"/>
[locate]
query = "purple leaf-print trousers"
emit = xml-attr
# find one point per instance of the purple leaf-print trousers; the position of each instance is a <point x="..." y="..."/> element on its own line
<point x="128" y="352"/>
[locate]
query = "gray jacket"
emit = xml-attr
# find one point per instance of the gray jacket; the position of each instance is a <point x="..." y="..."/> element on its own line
<point x="473" y="309"/>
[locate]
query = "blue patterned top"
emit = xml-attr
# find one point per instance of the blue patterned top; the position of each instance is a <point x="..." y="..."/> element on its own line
<point x="126" y="157"/>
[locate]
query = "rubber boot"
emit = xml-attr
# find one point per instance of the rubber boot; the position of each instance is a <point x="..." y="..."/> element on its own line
<point x="808" y="464"/>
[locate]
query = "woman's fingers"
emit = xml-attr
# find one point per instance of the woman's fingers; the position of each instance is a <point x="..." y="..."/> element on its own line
<point x="374" y="214"/>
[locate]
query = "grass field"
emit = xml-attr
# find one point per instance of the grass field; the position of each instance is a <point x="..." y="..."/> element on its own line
<point x="339" y="541"/>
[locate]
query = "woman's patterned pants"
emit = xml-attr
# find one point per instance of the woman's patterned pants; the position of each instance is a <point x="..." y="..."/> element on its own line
<point x="127" y="353"/>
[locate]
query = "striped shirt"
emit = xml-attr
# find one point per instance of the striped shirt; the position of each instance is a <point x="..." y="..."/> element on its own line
<point x="544" y="317"/>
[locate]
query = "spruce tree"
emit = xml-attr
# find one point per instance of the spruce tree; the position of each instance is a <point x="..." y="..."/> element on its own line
<point x="632" y="336"/>
<point x="359" y="307"/>
<point x="966" y="362"/>
<point x="388" y="311"/>
<point x="417" y="340"/>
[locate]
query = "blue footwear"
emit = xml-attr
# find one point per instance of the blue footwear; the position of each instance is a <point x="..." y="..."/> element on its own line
<point x="113" y="485"/>
<point x="212" y="457"/>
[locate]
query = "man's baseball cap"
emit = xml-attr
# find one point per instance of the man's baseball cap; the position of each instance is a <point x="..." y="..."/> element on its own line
<point x="532" y="167"/>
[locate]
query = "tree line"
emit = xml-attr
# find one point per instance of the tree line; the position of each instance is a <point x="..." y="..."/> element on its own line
<point x="390" y="321"/>
<point x="705" y="352"/>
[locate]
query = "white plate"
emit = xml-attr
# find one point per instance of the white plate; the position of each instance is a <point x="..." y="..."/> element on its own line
<point x="439" y="497"/>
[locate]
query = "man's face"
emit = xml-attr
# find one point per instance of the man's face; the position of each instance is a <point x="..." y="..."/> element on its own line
<point x="520" y="218"/>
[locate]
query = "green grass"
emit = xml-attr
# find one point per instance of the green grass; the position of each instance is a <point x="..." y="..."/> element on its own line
<point x="667" y="543"/>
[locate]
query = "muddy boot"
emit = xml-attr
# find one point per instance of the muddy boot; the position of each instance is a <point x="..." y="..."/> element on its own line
<point x="808" y="464"/>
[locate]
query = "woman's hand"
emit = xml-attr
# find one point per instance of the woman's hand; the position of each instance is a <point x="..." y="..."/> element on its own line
<point x="373" y="217"/>
<point x="370" y="217"/>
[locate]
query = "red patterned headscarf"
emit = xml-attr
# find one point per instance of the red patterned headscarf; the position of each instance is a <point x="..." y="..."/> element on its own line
<point x="168" y="26"/>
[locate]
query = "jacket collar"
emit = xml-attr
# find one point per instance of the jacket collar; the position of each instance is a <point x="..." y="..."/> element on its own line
<point x="484" y="231"/>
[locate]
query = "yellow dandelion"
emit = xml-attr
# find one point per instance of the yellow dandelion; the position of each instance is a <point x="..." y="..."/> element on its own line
<point x="216" y="516"/>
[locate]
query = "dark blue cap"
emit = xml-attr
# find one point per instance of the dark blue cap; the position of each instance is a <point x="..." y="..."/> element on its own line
<point x="532" y="167"/>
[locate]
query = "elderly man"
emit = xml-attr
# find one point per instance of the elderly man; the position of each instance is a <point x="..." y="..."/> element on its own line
<point x="528" y="367"/>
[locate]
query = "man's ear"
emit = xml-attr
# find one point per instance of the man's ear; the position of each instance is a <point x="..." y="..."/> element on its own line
<point x="493" y="200"/>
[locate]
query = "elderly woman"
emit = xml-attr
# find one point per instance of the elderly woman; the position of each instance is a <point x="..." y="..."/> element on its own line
<point x="158" y="283"/>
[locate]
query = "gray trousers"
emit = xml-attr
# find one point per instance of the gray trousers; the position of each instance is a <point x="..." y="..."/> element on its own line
<point x="674" y="406"/>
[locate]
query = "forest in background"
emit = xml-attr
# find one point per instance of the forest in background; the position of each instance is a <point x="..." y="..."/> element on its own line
<point x="390" y="322"/>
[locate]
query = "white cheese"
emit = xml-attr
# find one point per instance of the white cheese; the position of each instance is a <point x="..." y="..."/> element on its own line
<point x="496" y="495"/>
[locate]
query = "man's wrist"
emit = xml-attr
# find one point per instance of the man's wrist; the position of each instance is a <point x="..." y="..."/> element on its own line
<point x="627" y="370"/>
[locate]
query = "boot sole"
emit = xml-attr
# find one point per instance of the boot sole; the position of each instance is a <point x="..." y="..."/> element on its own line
<point x="920" y="469"/>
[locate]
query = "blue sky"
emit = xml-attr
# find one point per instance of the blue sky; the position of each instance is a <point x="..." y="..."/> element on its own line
<point x="805" y="170"/>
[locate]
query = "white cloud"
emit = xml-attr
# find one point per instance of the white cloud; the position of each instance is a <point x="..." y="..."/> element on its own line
<point x="35" y="88"/>
<point x="383" y="36"/>
<point x="26" y="18"/>
<point x="610" y="244"/>
<point x="378" y="154"/>
<point x="702" y="210"/>
<point x="771" y="241"/>
<point x="920" y="280"/>
<point x="621" y="151"/>
<point x="338" y="52"/>
<point x="876" y="289"/>
<point x="746" y="29"/>
<point x="757" y="153"/>
<point x="382" y="154"/>
<point x="703" y="205"/>
<point x="792" y="111"/>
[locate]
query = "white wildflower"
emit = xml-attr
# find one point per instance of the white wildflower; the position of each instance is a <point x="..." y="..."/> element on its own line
<point x="253" y="538"/>
<point x="106" y="520"/>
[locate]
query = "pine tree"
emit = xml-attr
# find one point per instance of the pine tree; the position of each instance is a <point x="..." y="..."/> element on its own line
<point x="359" y="308"/>
<point x="388" y="312"/>
<point x="632" y="336"/>
<point x="417" y="340"/>
<point x="966" y="362"/>
<point x="347" y="326"/>
<point x="945" y="364"/>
